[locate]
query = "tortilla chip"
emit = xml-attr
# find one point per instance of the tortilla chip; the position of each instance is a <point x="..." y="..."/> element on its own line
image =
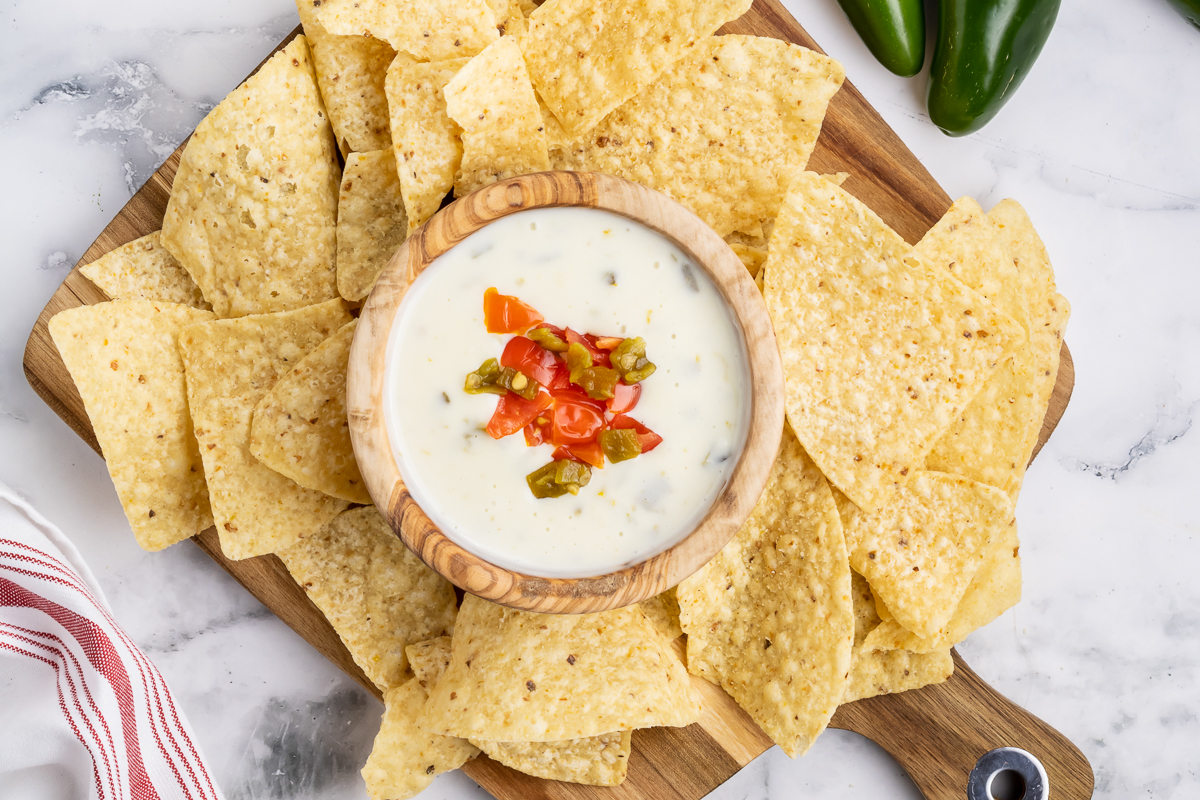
<point x="663" y="612"/>
<point x="253" y="208"/>
<point x="990" y="441"/>
<point x="597" y="760"/>
<point x="144" y="270"/>
<point x="881" y="351"/>
<point x="509" y="16"/>
<point x="1048" y="310"/>
<point x="124" y="359"/>
<point x="493" y="102"/>
<point x="429" y="30"/>
<point x="995" y="589"/>
<point x="300" y="430"/>
<point x="425" y="140"/>
<point x="405" y="758"/>
<point x="594" y="761"/>
<point x="752" y="252"/>
<point x="587" y="58"/>
<point x="872" y="672"/>
<point x="231" y="365"/>
<point x="770" y="618"/>
<point x="724" y="131"/>
<point x="921" y="550"/>
<point x="376" y="594"/>
<point x="517" y="676"/>
<point x="350" y="74"/>
<point x="371" y="221"/>
<point x="429" y="660"/>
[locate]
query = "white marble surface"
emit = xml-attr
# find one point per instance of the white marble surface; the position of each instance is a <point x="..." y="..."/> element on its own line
<point x="1100" y="145"/>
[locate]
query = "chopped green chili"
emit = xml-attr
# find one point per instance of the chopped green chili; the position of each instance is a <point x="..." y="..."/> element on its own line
<point x="484" y="380"/>
<point x="620" y="445"/>
<point x="558" y="478"/>
<point x="547" y="339"/>
<point x="629" y="359"/>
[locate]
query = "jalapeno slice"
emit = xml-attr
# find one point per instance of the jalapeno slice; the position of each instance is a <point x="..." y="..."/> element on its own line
<point x="629" y="359"/>
<point x="518" y="383"/>
<point x="548" y="339"/>
<point x="578" y="359"/>
<point x="558" y="478"/>
<point x="600" y="383"/>
<point x="485" y="379"/>
<point x="620" y="445"/>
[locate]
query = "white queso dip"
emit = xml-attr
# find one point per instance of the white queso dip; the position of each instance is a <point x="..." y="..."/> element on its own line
<point x="594" y="273"/>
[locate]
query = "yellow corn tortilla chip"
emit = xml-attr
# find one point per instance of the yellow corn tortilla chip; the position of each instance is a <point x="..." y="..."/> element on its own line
<point x="770" y="618"/>
<point x="371" y="222"/>
<point x="663" y="612"/>
<point x="922" y="550"/>
<point x="597" y="761"/>
<point x="594" y="761"/>
<point x="405" y="758"/>
<point x="990" y="441"/>
<point x="428" y="660"/>
<point x="724" y="131"/>
<point x="587" y="58"/>
<point x="493" y="102"/>
<point x="253" y="209"/>
<point x="428" y="30"/>
<point x="516" y="676"/>
<point x="230" y="366"/>
<point x="1048" y="310"/>
<point x="753" y="254"/>
<point x="509" y="16"/>
<point x="881" y="350"/>
<point x="378" y="596"/>
<point x="144" y="270"/>
<point x="873" y="672"/>
<point x="124" y="359"/>
<point x="350" y="74"/>
<point x="995" y="589"/>
<point x="425" y="140"/>
<point x="299" y="428"/>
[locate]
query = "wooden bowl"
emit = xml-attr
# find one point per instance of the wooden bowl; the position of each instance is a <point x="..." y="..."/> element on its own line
<point x="368" y="422"/>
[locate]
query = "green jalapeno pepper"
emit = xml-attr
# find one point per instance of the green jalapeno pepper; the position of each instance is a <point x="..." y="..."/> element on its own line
<point x="985" y="48"/>
<point x="893" y="30"/>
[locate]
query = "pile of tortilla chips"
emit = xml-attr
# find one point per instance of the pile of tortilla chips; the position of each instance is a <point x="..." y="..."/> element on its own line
<point x="916" y="377"/>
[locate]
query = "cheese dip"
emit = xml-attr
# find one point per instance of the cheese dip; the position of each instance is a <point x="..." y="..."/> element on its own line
<point x="593" y="272"/>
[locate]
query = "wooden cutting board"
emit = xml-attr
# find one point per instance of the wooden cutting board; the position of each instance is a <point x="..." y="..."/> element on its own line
<point x="935" y="733"/>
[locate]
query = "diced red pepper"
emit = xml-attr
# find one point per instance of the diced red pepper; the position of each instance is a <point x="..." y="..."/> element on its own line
<point x="538" y="430"/>
<point x="513" y="413"/>
<point x="503" y="313"/>
<point x="531" y="358"/>
<point x="625" y="398"/>
<point x="587" y="452"/>
<point x="574" y="394"/>
<point x="646" y="437"/>
<point x="573" y="421"/>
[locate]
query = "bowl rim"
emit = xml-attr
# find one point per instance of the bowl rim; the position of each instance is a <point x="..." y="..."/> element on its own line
<point x="368" y="420"/>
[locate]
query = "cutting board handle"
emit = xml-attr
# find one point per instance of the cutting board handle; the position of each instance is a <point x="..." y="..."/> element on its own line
<point x="938" y="733"/>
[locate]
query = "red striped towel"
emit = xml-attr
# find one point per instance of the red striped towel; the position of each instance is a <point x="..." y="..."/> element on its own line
<point x="83" y="712"/>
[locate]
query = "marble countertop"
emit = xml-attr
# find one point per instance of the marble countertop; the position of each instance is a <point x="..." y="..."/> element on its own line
<point x="1100" y="145"/>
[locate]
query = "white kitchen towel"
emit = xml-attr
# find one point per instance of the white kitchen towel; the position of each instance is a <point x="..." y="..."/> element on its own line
<point x="83" y="712"/>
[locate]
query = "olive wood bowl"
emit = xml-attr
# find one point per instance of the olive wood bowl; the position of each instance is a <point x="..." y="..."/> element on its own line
<point x="368" y="422"/>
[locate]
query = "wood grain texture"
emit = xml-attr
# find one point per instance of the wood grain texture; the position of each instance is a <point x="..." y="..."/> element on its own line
<point x="934" y="733"/>
<point x="367" y="399"/>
